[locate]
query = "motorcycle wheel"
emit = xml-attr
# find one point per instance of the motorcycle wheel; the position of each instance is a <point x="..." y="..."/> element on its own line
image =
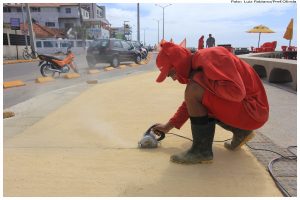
<point x="26" y="55"/>
<point x="45" y="70"/>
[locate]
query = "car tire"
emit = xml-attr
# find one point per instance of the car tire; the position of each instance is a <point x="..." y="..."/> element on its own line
<point x="115" y="62"/>
<point x="138" y="59"/>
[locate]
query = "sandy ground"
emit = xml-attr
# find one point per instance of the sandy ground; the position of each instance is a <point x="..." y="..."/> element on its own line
<point x="88" y="147"/>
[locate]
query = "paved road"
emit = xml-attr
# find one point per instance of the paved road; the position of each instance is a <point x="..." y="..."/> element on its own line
<point x="28" y="72"/>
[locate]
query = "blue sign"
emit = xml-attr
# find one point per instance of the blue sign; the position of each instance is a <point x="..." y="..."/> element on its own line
<point x="15" y="23"/>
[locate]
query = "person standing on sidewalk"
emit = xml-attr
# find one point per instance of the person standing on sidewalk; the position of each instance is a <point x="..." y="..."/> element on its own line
<point x="220" y="88"/>
<point x="201" y="42"/>
<point x="210" y="42"/>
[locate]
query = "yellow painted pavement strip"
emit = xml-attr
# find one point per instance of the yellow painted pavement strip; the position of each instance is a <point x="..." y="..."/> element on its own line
<point x="133" y="65"/>
<point x="44" y="79"/>
<point x="92" y="150"/>
<point x="108" y="68"/>
<point x="122" y="66"/>
<point x="72" y="75"/>
<point x="15" y="83"/>
<point x="93" y="71"/>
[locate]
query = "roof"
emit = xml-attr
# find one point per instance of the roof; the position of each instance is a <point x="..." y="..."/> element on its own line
<point x="41" y="4"/>
<point x="44" y="32"/>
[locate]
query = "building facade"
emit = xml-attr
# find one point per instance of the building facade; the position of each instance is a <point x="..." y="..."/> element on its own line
<point x="61" y="16"/>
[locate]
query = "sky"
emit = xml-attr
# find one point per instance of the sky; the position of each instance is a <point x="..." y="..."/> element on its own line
<point x="227" y="22"/>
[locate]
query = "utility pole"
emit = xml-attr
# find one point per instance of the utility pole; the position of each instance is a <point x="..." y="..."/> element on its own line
<point x="30" y="28"/>
<point x="163" y="7"/>
<point x="157" y="30"/>
<point x="82" y="25"/>
<point x="144" y="37"/>
<point x="25" y="31"/>
<point x="138" y="22"/>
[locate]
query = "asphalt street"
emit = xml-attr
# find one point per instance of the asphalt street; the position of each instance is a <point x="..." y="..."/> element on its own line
<point x="28" y="72"/>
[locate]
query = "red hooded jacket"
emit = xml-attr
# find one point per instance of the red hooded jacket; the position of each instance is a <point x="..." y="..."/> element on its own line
<point x="234" y="93"/>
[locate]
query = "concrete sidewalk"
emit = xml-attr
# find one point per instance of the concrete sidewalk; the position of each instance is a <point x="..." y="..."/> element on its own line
<point x="88" y="147"/>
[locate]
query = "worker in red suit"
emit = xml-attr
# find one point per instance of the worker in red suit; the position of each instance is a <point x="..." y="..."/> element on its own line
<point x="220" y="88"/>
<point x="201" y="42"/>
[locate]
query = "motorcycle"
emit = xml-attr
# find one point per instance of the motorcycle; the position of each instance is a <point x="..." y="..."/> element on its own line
<point x="50" y="64"/>
<point x="144" y="52"/>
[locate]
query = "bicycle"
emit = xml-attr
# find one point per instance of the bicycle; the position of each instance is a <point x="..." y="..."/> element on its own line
<point x="28" y="54"/>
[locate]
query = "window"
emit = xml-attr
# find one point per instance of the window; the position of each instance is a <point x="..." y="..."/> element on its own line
<point x="18" y="39"/>
<point x="100" y="13"/>
<point x="6" y="9"/>
<point x="68" y="10"/>
<point x="38" y="44"/>
<point x="68" y="26"/>
<point x="104" y="43"/>
<point x="79" y="43"/>
<point x="58" y="9"/>
<point x="117" y="44"/>
<point x="95" y="44"/>
<point x="50" y="44"/>
<point x="64" y="44"/>
<point x="35" y="9"/>
<point x="19" y="10"/>
<point x="71" y="44"/>
<point x="50" y="24"/>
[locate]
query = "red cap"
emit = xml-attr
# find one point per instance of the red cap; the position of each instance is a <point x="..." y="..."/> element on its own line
<point x="173" y="56"/>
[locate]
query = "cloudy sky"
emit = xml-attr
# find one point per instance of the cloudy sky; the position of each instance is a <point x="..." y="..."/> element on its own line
<point x="227" y="22"/>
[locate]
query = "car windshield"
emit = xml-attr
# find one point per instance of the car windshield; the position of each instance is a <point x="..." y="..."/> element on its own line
<point x="100" y="43"/>
<point x="136" y="44"/>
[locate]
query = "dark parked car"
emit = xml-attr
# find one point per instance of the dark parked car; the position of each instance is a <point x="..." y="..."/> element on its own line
<point x="111" y="51"/>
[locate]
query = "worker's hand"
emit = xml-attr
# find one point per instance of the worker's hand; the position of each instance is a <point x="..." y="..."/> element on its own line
<point x="165" y="128"/>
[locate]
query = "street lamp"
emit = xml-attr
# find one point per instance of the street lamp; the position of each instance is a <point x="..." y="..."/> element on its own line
<point x="25" y="32"/>
<point x="124" y="29"/>
<point x="157" y="30"/>
<point x="163" y="7"/>
<point x="144" y="37"/>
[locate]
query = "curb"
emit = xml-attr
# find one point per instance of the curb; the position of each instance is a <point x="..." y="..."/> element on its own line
<point x="44" y="79"/>
<point x="92" y="81"/>
<point x="108" y="68"/>
<point x="122" y="67"/>
<point x="93" y="71"/>
<point x="16" y="83"/>
<point x="72" y="75"/>
<point x="134" y="65"/>
<point x="8" y="114"/>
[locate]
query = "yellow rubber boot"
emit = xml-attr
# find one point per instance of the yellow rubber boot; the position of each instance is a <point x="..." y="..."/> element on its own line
<point x="240" y="137"/>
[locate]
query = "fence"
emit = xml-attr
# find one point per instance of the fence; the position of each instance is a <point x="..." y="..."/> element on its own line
<point x="14" y="44"/>
<point x="56" y="46"/>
